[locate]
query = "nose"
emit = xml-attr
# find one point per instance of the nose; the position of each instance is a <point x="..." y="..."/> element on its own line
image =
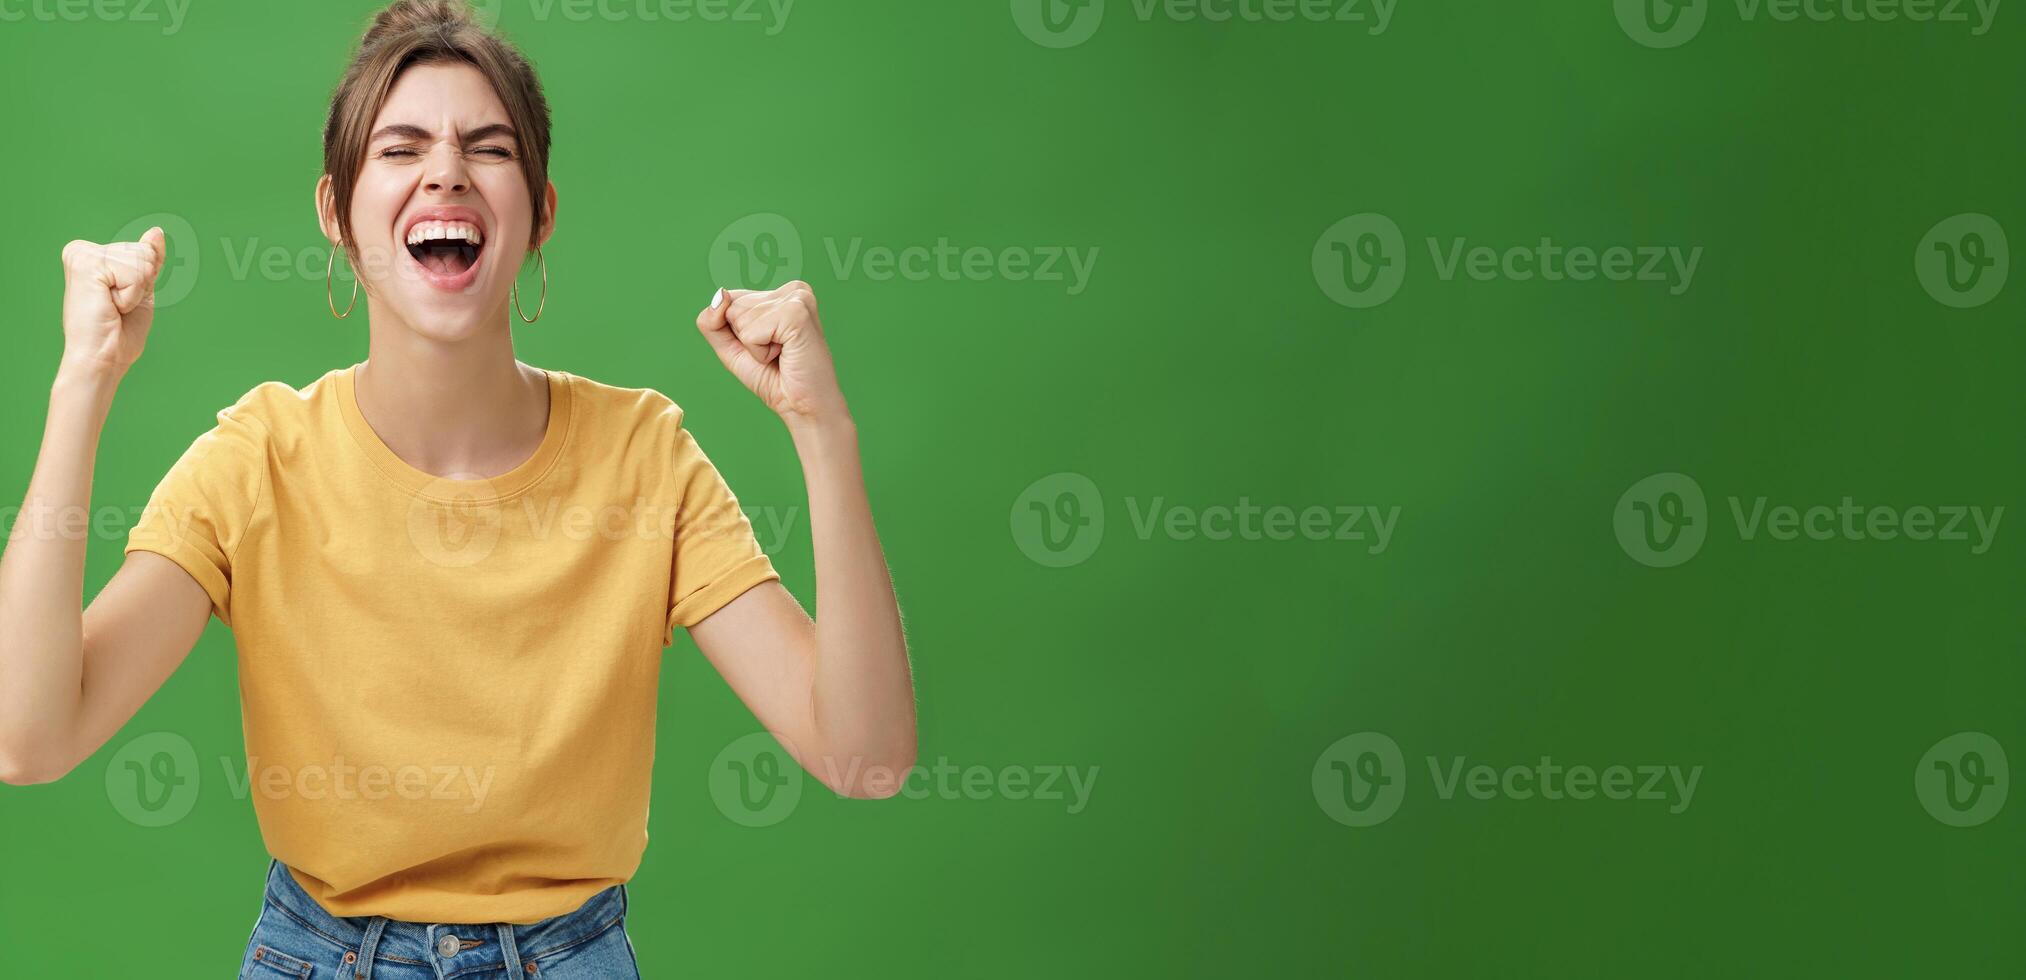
<point x="445" y="173"/>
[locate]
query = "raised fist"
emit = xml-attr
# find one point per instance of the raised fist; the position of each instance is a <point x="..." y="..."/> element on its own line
<point x="772" y="340"/>
<point x="109" y="300"/>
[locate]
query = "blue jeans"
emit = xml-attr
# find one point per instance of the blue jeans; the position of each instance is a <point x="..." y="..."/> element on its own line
<point x="295" y="937"/>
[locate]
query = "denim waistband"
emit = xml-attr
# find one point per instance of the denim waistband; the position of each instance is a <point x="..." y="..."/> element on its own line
<point x="489" y="946"/>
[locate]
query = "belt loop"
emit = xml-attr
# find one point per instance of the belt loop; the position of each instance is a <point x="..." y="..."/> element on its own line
<point x="374" y="927"/>
<point x="509" y="950"/>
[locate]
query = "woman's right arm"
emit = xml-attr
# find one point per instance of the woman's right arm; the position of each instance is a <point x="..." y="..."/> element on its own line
<point x="70" y="679"/>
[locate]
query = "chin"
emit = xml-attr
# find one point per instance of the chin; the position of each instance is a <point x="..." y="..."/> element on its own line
<point x="450" y="319"/>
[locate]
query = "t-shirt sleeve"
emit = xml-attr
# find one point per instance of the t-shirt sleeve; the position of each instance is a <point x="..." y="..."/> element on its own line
<point x="202" y="510"/>
<point x="717" y="557"/>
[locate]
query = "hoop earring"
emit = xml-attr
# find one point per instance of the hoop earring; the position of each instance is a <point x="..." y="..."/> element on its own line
<point x="539" y="306"/>
<point x="330" y="265"/>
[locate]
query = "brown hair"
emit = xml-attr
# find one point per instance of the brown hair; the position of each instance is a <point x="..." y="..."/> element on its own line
<point x="423" y="32"/>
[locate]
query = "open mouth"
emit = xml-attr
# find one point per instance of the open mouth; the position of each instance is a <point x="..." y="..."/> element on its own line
<point x="447" y="248"/>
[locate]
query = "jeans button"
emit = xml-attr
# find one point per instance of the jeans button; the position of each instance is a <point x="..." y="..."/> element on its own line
<point x="447" y="946"/>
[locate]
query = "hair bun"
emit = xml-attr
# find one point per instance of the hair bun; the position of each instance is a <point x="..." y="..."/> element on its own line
<point x="415" y="16"/>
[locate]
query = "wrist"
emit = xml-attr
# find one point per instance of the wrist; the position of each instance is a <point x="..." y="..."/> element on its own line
<point x="82" y="381"/>
<point x="828" y="430"/>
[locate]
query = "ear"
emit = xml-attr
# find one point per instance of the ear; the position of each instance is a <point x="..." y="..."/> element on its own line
<point x="327" y="209"/>
<point x="548" y="222"/>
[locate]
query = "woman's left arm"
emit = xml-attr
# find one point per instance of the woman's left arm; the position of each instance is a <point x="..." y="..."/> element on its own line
<point x="836" y="691"/>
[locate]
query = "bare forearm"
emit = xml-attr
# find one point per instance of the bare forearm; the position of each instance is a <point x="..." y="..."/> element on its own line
<point x="863" y="694"/>
<point x="42" y="574"/>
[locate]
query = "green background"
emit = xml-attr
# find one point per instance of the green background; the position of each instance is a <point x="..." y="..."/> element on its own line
<point x="1202" y="679"/>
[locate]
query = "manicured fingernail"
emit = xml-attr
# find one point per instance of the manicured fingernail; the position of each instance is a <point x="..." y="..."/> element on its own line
<point x="717" y="298"/>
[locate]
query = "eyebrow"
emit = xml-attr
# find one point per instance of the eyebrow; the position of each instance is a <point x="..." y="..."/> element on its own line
<point x="413" y="132"/>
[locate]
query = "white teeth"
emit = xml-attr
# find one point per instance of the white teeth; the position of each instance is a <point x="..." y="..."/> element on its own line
<point x="430" y="231"/>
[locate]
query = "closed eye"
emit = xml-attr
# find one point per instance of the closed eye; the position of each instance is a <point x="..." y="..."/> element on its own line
<point x="402" y="152"/>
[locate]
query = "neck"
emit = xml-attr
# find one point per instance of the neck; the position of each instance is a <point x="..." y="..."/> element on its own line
<point x="461" y="409"/>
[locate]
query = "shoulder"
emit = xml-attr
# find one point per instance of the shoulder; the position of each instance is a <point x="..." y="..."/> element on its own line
<point x="278" y="405"/>
<point x="278" y="419"/>
<point x="609" y="408"/>
<point x="632" y="427"/>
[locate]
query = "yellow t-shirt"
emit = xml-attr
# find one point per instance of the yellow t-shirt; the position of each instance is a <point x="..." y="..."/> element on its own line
<point x="449" y="685"/>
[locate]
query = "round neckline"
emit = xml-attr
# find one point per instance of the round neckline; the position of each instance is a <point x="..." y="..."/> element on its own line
<point x="423" y="484"/>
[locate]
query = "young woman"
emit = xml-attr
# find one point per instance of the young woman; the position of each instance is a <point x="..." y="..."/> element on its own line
<point x="419" y="559"/>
